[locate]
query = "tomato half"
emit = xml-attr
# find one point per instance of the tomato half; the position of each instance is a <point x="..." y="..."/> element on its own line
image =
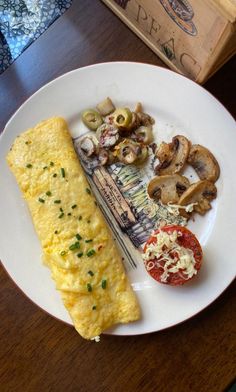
<point x="187" y="240"/>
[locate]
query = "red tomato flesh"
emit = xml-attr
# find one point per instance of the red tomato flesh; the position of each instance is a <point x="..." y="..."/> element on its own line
<point x="187" y="240"/>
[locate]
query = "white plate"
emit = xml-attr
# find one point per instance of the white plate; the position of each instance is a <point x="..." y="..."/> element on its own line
<point x="179" y="106"/>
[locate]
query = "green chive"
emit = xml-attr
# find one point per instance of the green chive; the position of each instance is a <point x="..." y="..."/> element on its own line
<point x="88" y="191"/>
<point x="90" y="273"/>
<point x="48" y="193"/>
<point x="88" y="241"/>
<point x="90" y="252"/>
<point x="78" y="237"/>
<point x="104" y="283"/>
<point x="57" y="201"/>
<point x="88" y="221"/>
<point x="55" y="232"/>
<point x="61" y="209"/>
<point x="27" y="142"/>
<point x="45" y="167"/>
<point x="80" y="217"/>
<point x="61" y="215"/>
<point x="55" y="175"/>
<point x="74" y="246"/>
<point x="74" y="206"/>
<point x="80" y="254"/>
<point x="51" y="163"/>
<point x="63" y="252"/>
<point x="41" y="200"/>
<point x="69" y="214"/>
<point x="29" y="166"/>
<point x="89" y="287"/>
<point x="63" y="172"/>
<point x="94" y="307"/>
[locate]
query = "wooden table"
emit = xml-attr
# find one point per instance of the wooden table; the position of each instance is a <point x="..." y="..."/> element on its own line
<point x="39" y="353"/>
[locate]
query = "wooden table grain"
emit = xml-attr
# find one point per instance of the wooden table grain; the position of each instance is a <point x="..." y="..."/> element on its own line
<point x="40" y="353"/>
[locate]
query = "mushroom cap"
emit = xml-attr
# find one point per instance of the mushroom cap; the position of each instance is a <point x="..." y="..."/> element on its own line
<point x="172" y="156"/>
<point x="167" y="188"/>
<point x="202" y="193"/>
<point x="204" y="162"/>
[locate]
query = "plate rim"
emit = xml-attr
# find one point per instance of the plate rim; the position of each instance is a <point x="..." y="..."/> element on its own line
<point x="108" y="64"/>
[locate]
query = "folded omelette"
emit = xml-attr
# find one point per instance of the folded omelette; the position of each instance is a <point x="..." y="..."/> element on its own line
<point x="76" y="242"/>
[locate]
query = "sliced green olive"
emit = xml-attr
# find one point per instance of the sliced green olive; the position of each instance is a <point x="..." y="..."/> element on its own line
<point x="144" y="134"/>
<point x="106" y="107"/>
<point x="92" y="119"/>
<point x="128" y="151"/>
<point x="143" y="156"/>
<point x="122" y="118"/>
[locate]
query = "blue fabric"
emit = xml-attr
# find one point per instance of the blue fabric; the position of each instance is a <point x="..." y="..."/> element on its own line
<point x="22" y="22"/>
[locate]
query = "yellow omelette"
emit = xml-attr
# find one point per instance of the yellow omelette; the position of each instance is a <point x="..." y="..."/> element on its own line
<point x="76" y="242"/>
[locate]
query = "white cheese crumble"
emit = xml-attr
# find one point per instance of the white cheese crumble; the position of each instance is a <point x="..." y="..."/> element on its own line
<point x="174" y="208"/>
<point x="161" y="251"/>
<point x="96" y="338"/>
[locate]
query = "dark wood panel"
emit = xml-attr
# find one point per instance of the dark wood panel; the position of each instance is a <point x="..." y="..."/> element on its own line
<point x="38" y="352"/>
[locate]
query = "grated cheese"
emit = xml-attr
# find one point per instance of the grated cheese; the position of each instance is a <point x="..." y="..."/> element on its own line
<point x="174" y="208"/>
<point x="166" y="244"/>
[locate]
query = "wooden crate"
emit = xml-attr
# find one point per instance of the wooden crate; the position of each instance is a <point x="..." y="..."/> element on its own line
<point x="194" y="38"/>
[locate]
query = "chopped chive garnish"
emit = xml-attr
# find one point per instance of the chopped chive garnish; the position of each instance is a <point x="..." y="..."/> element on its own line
<point x="45" y="167"/>
<point x="80" y="254"/>
<point x="63" y="172"/>
<point x="90" y="252"/>
<point x="49" y="193"/>
<point x="41" y="200"/>
<point x="78" y="237"/>
<point x="88" y="241"/>
<point x="63" y="252"/>
<point x="29" y="166"/>
<point x="94" y="307"/>
<point x="74" y="206"/>
<point x="61" y="209"/>
<point x="89" y="287"/>
<point x="80" y="217"/>
<point x="88" y="191"/>
<point x="55" y="175"/>
<point x="95" y="203"/>
<point x="69" y="214"/>
<point x="88" y="221"/>
<point x="61" y="215"/>
<point x="90" y="273"/>
<point x="51" y="163"/>
<point x="57" y="201"/>
<point x="56" y="232"/>
<point x="104" y="283"/>
<point x="74" y="246"/>
<point x="27" y="142"/>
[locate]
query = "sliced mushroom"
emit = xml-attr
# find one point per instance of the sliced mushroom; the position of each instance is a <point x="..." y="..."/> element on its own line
<point x="143" y="155"/>
<point x="107" y="135"/>
<point x="145" y="119"/>
<point x="87" y="146"/>
<point x="167" y="188"/>
<point x="202" y="193"/>
<point x="172" y="157"/>
<point x="204" y="162"/>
